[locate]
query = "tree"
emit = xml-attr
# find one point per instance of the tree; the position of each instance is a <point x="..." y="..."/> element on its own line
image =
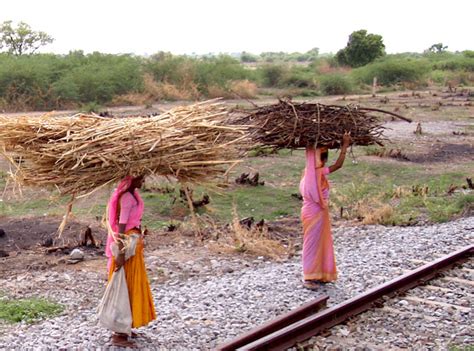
<point x="248" y="57"/>
<point x="361" y="49"/>
<point x="22" y="39"/>
<point x="437" y="48"/>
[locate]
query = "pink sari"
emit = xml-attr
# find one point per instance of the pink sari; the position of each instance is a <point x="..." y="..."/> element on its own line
<point x="318" y="253"/>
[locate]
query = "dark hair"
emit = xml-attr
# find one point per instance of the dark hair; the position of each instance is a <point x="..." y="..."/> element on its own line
<point x="324" y="156"/>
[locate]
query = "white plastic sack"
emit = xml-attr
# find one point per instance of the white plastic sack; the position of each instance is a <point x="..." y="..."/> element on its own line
<point x="130" y="245"/>
<point x="114" y="310"/>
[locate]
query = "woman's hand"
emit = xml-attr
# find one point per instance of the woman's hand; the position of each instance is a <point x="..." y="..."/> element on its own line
<point x="119" y="261"/>
<point x="346" y="139"/>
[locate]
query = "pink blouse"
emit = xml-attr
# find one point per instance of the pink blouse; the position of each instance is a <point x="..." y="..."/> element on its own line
<point x="130" y="211"/>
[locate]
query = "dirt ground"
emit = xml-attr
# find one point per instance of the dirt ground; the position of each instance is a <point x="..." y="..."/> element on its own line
<point x="447" y="122"/>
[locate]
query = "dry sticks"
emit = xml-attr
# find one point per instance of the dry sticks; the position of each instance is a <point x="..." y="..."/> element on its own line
<point x="81" y="153"/>
<point x="293" y="125"/>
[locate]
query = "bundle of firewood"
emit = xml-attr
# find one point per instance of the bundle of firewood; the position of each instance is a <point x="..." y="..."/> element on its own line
<point x="81" y="153"/>
<point x="288" y="124"/>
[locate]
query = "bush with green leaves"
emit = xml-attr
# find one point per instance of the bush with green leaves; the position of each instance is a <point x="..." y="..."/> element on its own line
<point x="457" y="63"/>
<point x="25" y="80"/>
<point x="201" y="72"/>
<point x="99" y="77"/>
<point x="272" y="75"/>
<point x="439" y="77"/>
<point x="247" y="57"/>
<point x="336" y="84"/>
<point x="299" y="77"/>
<point x="168" y="68"/>
<point x="53" y="81"/>
<point x="219" y="71"/>
<point x="392" y="70"/>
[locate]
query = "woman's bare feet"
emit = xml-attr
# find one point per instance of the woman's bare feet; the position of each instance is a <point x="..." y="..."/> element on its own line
<point x="121" y="340"/>
<point x="311" y="285"/>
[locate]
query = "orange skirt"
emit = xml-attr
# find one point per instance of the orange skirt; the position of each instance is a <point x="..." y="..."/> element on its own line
<point x="141" y="300"/>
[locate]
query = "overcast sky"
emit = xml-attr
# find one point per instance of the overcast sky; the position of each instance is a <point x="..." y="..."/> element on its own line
<point x="202" y="26"/>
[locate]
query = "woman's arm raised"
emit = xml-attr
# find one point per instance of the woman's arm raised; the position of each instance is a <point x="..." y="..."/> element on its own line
<point x="346" y="141"/>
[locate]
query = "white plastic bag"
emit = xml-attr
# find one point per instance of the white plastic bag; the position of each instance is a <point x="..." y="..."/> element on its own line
<point x="114" y="310"/>
<point x="130" y="245"/>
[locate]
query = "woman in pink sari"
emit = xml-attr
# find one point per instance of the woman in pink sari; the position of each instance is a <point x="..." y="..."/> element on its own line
<point x="319" y="264"/>
<point x="125" y="210"/>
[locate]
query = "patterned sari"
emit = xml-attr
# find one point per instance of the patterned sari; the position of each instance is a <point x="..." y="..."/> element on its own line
<point x="318" y="253"/>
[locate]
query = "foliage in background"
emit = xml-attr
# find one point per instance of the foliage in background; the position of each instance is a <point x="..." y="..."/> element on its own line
<point x="393" y="70"/>
<point x="22" y="39"/>
<point x="53" y="81"/>
<point x="78" y="80"/>
<point x="336" y="84"/>
<point x="361" y="49"/>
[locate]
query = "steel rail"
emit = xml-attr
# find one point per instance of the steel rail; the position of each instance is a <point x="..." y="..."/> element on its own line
<point x="288" y="335"/>
<point x="291" y="317"/>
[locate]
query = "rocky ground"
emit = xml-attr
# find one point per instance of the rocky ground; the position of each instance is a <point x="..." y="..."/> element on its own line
<point x="209" y="299"/>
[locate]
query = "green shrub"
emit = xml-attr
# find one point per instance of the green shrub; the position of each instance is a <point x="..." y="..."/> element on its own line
<point x="336" y="84"/>
<point x="457" y="63"/>
<point x="439" y="76"/>
<point x="248" y="57"/>
<point x="25" y="81"/>
<point x="202" y="73"/>
<point x="219" y="71"/>
<point x="91" y="107"/>
<point x="468" y="53"/>
<point x="52" y="81"/>
<point x="392" y="70"/>
<point x="166" y="68"/>
<point x="299" y="77"/>
<point x="100" y="77"/>
<point x="272" y="75"/>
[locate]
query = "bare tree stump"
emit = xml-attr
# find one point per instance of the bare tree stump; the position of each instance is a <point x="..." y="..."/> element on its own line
<point x="88" y="236"/>
<point x="469" y="183"/>
<point x="418" y="130"/>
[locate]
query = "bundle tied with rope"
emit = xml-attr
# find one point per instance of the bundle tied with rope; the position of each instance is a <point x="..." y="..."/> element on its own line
<point x="292" y="125"/>
<point x="82" y="153"/>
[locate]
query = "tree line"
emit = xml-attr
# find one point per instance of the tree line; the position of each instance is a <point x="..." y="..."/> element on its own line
<point x="30" y="81"/>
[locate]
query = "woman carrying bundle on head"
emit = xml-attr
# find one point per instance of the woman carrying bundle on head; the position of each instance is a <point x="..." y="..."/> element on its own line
<point x="319" y="264"/>
<point x="125" y="209"/>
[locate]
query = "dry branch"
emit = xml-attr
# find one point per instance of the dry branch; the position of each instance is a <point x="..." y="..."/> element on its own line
<point x="293" y="125"/>
<point x="82" y="153"/>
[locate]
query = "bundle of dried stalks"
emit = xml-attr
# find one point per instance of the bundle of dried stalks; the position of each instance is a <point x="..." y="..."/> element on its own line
<point x="293" y="125"/>
<point x="81" y="153"/>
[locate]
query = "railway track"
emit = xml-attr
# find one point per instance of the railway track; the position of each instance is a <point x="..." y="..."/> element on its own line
<point x="413" y="295"/>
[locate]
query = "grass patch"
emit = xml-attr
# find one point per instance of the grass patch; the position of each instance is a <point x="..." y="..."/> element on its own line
<point x="31" y="207"/>
<point x="396" y="192"/>
<point x="27" y="310"/>
<point x="461" y="348"/>
<point x="258" y="202"/>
